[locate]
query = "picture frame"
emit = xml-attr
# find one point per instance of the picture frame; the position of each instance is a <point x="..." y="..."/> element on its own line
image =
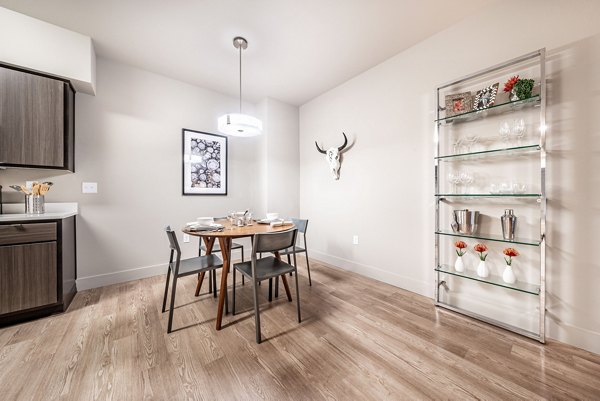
<point x="458" y="103"/>
<point x="486" y="97"/>
<point x="204" y="159"/>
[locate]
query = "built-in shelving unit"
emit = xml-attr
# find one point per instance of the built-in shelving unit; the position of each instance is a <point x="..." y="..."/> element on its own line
<point x="495" y="154"/>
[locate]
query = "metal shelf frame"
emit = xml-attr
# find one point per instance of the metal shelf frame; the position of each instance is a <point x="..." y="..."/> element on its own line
<point x="540" y="55"/>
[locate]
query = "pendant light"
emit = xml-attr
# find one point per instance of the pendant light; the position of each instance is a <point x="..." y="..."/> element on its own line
<point x="238" y="124"/>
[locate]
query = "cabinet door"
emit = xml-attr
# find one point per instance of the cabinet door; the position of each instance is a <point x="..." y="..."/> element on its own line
<point x="31" y="119"/>
<point x="27" y="276"/>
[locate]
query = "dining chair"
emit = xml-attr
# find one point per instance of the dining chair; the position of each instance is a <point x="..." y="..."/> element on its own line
<point x="212" y="277"/>
<point x="266" y="268"/>
<point x="301" y="225"/>
<point x="179" y="268"/>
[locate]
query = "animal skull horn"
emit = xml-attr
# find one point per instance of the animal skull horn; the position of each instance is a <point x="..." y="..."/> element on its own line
<point x="332" y="156"/>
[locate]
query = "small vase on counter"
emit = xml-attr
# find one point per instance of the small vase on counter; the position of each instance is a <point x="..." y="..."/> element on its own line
<point x="482" y="269"/>
<point x="508" y="275"/>
<point x="459" y="266"/>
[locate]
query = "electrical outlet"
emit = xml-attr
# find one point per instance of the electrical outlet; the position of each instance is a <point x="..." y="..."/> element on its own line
<point x="355" y="240"/>
<point x="89" y="187"/>
<point x="186" y="238"/>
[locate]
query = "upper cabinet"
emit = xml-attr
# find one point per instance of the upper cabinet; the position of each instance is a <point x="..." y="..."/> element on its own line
<point x="36" y="121"/>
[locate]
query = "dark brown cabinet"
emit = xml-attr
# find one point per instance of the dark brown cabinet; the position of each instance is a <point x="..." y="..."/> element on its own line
<point x="37" y="268"/>
<point x="36" y="121"/>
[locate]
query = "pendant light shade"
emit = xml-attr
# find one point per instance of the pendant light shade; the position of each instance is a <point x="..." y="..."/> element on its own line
<point x="238" y="124"/>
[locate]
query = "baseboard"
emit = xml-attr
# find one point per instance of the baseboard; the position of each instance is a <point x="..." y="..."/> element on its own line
<point x="101" y="280"/>
<point x="407" y="283"/>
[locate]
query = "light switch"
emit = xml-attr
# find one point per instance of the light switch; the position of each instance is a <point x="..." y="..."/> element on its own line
<point x="89" y="187"/>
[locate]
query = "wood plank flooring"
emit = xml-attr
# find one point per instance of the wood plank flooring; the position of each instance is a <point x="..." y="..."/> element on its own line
<point x="359" y="340"/>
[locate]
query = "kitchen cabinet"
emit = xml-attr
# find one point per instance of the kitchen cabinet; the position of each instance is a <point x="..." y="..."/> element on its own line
<point x="36" y="121"/>
<point x="37" y="268"/>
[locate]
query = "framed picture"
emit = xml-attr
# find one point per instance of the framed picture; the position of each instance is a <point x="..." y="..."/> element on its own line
<point x="204" y="163"/>
<point x="486" y="97"/>
<point x="458" y="103"/>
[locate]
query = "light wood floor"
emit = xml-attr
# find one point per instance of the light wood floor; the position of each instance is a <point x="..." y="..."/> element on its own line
<point x="359" y="340"/>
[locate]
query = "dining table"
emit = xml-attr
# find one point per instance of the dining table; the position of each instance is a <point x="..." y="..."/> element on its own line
<point x="225" y="236"/>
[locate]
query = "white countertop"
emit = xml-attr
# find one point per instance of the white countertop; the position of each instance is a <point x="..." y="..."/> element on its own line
<point x="16" y="212"/>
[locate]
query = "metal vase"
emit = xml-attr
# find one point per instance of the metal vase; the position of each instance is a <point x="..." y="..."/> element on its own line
<point x="35" y="204"/>
<point x="509" y="224"/>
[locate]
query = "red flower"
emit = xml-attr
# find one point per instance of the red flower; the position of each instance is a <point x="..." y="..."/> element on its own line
<point x="510" y="252"/>
<point x="460" y="244"/>
<point x="510" y="83"/>
<point x="480" y="248"/>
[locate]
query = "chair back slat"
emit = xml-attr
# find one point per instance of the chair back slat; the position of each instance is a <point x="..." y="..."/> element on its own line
<point x="300" y="224"/>
<point x="173" y="243"/>
<point x="272" y="242"/>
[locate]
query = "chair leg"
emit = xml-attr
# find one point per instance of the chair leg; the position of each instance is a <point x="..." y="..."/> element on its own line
<point x="214" y="283"/>
<point x="277" y="287"/>
<point x="298" y="297"/>
<point x="256" y="312"/>
<point x="166" y="289"/>
<point x="243" y="277"/>
<point x="289" y="262"/>
<point x="233" y="294"/>
<point x="210" y="282"/>
<point x="270" y="289"/>
<point x="173" y="289"/>
<point x="308" y="267"/>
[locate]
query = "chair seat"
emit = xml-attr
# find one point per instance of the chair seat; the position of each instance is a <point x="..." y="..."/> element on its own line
<point x="217" y="246"/>
<point x="291" y="250"/>
<point x="198" y="264"/>
<point x="266" y="268"/>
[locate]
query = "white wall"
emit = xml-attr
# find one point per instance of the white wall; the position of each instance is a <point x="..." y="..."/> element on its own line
<point x="128" y="139"/>
<point x="281" y="156"/>
<point x="385" y="193"/>
<point x="37" y="45"/>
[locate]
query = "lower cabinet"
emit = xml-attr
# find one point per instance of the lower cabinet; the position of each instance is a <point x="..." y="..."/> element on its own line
<point x="37" y="268"/>
<point x="28" y="276"/>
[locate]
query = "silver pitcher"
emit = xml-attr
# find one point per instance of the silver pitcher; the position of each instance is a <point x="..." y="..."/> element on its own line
<point x="465" y="221"/>
<point x="509" y="224"/>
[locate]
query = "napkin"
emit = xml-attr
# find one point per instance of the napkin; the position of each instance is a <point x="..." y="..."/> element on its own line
<point x="281" y="223"/>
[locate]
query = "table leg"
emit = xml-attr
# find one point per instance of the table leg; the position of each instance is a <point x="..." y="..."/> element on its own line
<point x="209" y="242"/>
<point x="284" y="281"/>
<point x="225" y="244"/>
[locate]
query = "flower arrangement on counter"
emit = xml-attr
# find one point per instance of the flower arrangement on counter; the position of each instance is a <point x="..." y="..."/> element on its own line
<point x="481" y="248"/>
<point x="519" y="88"/>
<point x="461" y="247"/>
<point x="511" y="253"/>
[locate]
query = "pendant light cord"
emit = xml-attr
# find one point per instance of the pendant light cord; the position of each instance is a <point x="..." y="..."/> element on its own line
<point x="240" y="79"/>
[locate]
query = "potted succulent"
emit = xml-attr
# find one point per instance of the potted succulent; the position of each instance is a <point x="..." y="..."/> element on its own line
<point x="508" y="275"/>
<point x="461" y="247"/>
<point x="518" y="88"/>
<point x="482" y="270"/>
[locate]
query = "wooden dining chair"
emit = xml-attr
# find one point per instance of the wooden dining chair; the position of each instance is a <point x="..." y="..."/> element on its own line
<point x="270" y="267"/>
<point x="179" y="268"/>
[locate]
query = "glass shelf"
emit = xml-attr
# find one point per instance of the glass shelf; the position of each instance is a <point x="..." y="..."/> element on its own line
<point x="528" y="288"/>
<point x="493" y="110"/>
<point x="489" y="195"/>
<point x="493" y="152"/>
<point x="490" y="237"/>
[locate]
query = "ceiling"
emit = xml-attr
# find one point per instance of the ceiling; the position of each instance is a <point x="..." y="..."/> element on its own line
<point x="297" y="50"/>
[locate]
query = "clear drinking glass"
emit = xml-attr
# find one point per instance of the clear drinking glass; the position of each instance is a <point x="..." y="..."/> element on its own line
<point x="249" y="219"/>
<point x="518" y="129"/>
<point x="504" y="132"/>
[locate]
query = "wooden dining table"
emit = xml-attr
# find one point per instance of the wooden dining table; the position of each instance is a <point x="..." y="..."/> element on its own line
<point x="225" y="237"/>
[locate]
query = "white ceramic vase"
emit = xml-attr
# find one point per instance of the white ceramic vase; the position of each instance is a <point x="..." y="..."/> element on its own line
<point x="509" y="276"/>
<point x="482" y="270"/>
<point x="459" y="266"/>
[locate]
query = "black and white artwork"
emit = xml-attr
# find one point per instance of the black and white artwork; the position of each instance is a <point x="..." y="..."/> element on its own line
<point x="486" y="97"/>
<point x="204" y="163"/>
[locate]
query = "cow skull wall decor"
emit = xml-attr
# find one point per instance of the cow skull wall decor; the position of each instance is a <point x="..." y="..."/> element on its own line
<point x="332" y="156"/>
